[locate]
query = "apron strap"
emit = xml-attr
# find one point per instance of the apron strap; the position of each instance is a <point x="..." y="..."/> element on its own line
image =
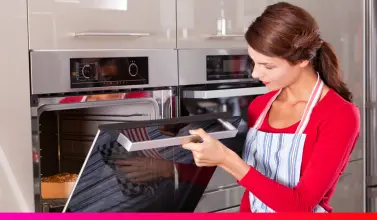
<point x="313" y="99"/>
<point x="261" y="117"/>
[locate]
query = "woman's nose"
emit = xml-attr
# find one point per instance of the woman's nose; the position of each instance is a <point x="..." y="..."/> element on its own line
<point x="256" y="73"/>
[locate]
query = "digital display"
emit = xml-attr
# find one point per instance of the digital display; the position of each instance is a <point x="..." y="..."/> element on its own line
<point x="113" y="71"/>
<point x="229" y="67"/>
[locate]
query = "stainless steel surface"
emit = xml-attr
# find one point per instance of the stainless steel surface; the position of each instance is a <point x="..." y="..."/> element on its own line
<point x="372" y="199"/>
<point x="152" y="144"/>
<point x="222" y="192"/>
<point x="54" y="67"/>
<point x="371" y="91"/>
<point x="224" y="36"/>
<point x="370" y="47"/>
<point x="235" y="209"/>
<point x="223" y="93"/>
<point x="221" y="179"/>
<point x="111" y="34"/>
<point x="348" y="195"/>
<point x="220" y="199"/>
<point x="371" y="181"/>
<point x="366" y="33"/>
<point x="192" y="65"/>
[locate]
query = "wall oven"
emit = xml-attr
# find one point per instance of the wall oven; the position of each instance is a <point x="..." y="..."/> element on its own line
<point x="92" y="110"/>
<point x="219" y="80"/>
<point x="73" y="92"/>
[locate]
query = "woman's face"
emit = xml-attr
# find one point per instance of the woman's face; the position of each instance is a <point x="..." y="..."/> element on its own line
<point x="274" y="72"/>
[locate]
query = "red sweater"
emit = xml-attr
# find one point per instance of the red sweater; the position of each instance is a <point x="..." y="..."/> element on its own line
<point x="332" y="133"/>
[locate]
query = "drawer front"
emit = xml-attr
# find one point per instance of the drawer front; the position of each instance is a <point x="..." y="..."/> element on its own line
<point x="220" y="199"/>
<point x="349" y="193"/>
<point x="201" y="22"/>
<point x="220" y="179"/>
<point x="102" y="24"/>
<point x="235" y="209"/>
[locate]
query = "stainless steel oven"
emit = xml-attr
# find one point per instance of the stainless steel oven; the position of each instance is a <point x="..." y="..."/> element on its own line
<point x="93" y="109"/>
<point x="219" y="80"/>
<point x="73" y="92"/>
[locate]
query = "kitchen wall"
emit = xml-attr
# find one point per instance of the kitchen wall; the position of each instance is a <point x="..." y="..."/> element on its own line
<point x="16" y="184"/>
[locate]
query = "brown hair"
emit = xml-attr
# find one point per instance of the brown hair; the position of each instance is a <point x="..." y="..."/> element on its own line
<point x="287" y="31"/>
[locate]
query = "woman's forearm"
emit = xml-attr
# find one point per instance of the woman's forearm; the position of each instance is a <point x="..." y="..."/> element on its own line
<point x="234" y="165"/>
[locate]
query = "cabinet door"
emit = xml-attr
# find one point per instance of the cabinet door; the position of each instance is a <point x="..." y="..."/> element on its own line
<point x="216" y="23"/>
<point x="349" y="193"/>
<point x="102" y="24"/>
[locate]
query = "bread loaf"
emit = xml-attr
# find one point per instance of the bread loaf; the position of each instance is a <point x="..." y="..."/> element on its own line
<point x="58" y="186"/>
<point x="60" y="178"/>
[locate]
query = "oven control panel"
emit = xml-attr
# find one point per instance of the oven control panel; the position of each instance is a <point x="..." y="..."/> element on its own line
<point x="108" y="72"/>
<point x="225" y="67"/>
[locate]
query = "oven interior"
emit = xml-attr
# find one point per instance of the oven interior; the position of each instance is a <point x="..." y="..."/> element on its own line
<point x="66" y="133"/>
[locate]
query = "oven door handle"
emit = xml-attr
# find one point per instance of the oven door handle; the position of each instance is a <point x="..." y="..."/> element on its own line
<point x="223" y="93"/>
<point x="229" y="132"/>
<point x="155" y="137"/>
<point x="110" y="34"/>
<point x="169" y="142"/>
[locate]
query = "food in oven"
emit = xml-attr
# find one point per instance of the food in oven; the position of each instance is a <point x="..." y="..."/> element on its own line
<point x="58" y="186"/>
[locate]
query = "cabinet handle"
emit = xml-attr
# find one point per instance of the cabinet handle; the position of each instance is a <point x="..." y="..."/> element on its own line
<point x="223" y="93"/>
<point x="110" y="34"/>
<point x="224" y="36"/>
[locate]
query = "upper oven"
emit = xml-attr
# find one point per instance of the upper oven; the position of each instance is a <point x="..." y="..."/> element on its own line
<point x="213" y="81"/>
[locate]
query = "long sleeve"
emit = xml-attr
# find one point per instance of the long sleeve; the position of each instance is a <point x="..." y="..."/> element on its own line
<point x="334" y="144"/>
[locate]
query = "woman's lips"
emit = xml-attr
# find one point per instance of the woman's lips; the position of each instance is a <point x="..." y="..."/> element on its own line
<point x="265" y="83"/>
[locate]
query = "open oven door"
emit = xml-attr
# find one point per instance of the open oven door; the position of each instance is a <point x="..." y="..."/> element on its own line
<point x="223" y="193"/>
<point x="141" y="166"/>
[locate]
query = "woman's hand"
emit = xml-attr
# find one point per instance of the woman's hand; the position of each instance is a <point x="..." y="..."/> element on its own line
<point x="146" y="169"/>
<point x="210" y="152"/>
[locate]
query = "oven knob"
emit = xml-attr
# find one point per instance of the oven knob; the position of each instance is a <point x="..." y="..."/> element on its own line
<point x="133" y="69"/>
<point x="87" y="71"/>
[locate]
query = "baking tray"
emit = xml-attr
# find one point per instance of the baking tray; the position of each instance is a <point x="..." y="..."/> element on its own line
<point x="143" y="135"/>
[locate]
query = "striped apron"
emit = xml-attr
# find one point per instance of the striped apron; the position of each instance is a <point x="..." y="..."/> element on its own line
<point x="278" y="156"/>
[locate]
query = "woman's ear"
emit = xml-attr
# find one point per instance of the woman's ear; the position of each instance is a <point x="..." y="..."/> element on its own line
<point x="304" y="63"/>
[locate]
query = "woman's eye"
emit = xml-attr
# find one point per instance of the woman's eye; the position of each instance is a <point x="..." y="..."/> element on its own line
<point x="269" y="67"/>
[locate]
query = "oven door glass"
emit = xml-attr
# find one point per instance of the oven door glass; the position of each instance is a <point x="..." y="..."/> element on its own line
<point x="115" y="178"/>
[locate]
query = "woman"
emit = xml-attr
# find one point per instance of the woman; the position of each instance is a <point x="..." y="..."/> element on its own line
<point x="302" y="132"/>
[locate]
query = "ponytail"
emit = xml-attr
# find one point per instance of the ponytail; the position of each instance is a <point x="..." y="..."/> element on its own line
<point x="327" y="64"/>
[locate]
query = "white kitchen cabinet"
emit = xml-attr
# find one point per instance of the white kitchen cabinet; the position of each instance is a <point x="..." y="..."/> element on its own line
<point x="216" y="23"/>
<point x="102" y="24"/>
